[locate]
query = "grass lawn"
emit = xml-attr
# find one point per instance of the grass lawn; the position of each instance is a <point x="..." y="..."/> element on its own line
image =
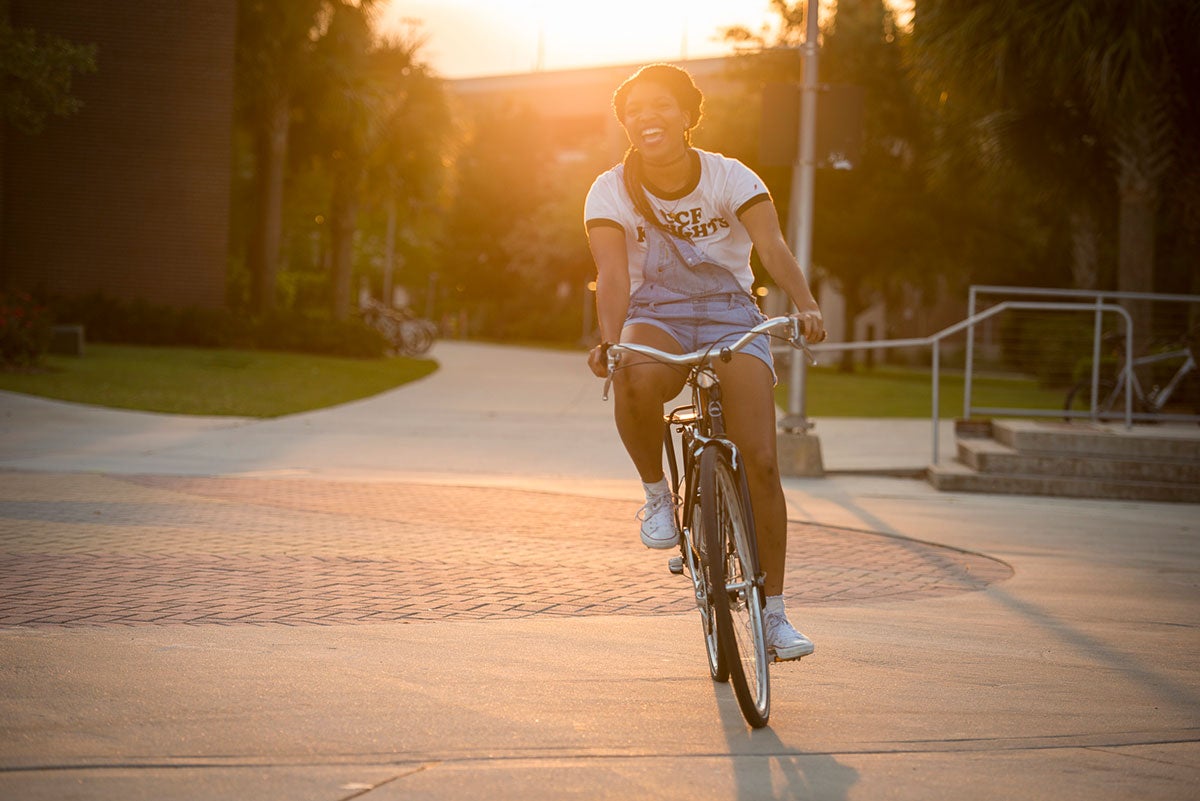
<point x="212" y="382"/>
<point x="269" y="384"/>
<point x="903" y="392"/>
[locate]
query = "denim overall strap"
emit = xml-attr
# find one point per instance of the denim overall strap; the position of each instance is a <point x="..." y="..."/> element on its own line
<point x="675" y="271"/>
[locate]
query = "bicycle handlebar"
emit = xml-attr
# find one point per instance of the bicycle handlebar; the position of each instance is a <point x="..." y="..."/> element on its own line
<point x="700" y="356"/>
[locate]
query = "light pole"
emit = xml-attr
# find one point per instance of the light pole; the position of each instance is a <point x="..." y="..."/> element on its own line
<point x="800" y="452"/>
<point x="800" y="217"/>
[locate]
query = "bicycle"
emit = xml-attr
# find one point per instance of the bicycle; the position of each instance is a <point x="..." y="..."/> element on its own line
<point x="718" y="545"/>
<point x="408" y="334"/>
<point x="1110" y="393"/>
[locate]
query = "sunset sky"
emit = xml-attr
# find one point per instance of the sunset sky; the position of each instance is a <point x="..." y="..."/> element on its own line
<point x="466" y="38"/>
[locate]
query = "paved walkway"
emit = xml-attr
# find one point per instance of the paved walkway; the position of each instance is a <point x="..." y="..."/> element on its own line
<point x="436" y="593"/>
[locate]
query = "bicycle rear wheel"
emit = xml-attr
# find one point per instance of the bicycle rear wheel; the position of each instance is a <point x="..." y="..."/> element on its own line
<point x="738" y="602"/>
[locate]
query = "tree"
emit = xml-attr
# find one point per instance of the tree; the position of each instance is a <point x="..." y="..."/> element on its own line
<point x="500" y="183"/>
<point x="871" y="227"/>
<point x="36" y="71"/>
<point x="406" y="168"/>
<point x="341" y="108"/>
<point x="1118" y="70"/>
<point x="274" y="44"/>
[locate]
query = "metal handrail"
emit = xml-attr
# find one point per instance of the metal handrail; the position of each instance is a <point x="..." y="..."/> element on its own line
<point x="969" y="324"/>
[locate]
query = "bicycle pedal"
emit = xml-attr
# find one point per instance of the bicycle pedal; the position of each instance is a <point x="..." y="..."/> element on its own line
<point x="675" y="565"/>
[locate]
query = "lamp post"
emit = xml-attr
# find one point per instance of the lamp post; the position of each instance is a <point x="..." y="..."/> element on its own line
<point x="800" y="452"/>
<point x="800" y="218"/>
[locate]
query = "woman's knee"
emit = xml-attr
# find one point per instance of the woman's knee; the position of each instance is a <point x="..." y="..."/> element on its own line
<point x="643" y="386"/>
<point x="762" y="468"/>
<point x="761" y="463"/>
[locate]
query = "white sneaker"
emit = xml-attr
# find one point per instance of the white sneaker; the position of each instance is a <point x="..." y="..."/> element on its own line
<point x="658" y="522"/>
<point x="783" y="639"/>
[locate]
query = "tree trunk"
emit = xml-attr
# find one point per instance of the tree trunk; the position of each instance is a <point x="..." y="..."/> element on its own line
<point x="1085" y="236"/>
<point x="1144" y="152"/>
<point x="344" y="220"/>
<point x="389" y="249"/>
<point x="1135" y="257"/>
<point x="271" y="141"/>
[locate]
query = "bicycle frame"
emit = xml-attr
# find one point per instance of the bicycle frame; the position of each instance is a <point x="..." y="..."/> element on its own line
<point x="1157" y="398"/>
<point x="699" y="425"/>
<point x="1154" y="400"/>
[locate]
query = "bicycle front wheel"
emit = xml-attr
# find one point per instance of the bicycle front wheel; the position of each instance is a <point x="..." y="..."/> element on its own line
<point x="1079" y="399"/>
<point x="704" y="581"/>
<point x="738" y="602"/>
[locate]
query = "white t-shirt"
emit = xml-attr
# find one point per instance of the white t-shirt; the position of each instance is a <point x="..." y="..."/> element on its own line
<point x="707" y="212"/>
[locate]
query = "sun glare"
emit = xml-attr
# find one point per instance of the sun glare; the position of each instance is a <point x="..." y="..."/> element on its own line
<point x="475" y="37"/>
<point x="465" y="38"/>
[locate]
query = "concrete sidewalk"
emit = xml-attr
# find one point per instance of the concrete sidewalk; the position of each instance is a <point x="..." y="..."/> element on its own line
<point x="437" y="593"/>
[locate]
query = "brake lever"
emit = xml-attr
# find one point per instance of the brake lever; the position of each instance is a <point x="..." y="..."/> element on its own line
<point x="808" y="354"/>
<point x="613" y="360"/>
<point x="799" y="343"/>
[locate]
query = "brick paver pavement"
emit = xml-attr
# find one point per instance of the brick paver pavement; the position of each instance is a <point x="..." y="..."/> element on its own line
<point x="88" y="549"/>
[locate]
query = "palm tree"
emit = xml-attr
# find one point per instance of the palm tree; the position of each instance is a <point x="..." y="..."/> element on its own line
<point x="870" y="226"/>
<point x="409" y="136"/>
<point x="274" y="44"/>
<point x="342" y="107"/>
<point x="1115" y="68"/>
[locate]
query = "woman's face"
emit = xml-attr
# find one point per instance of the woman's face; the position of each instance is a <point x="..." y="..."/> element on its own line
<point x="654" y="122"/>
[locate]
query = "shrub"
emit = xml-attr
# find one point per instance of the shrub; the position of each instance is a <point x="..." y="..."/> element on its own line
<point x="25" y="329"/>
<point x="108" y="319"/>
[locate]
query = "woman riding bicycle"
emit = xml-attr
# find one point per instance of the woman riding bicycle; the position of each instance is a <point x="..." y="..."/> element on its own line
<point x="671" y="231"/>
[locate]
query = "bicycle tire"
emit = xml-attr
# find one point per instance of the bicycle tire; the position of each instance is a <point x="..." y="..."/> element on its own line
<point x="409" y="338"/>
<point x="1110" y="404"/>
<point x="419" y="336"/>
<point x="691" y="547"/>
<point x="696" y="558"/>
<point x="729" y="535"/>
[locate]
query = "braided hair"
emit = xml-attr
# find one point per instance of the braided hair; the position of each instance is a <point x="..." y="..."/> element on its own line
<point x="678" y="82"/>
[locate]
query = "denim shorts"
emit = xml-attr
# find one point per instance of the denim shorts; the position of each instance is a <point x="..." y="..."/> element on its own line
<point x="700" y="322"/>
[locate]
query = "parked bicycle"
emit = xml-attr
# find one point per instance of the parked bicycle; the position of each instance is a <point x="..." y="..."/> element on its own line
<point x="718" y="546"/>
<point x="1110" y="391"/>
<point x="408" y="334"/>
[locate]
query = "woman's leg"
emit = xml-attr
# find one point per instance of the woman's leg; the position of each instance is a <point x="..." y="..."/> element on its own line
<point x="749" y="406"/>
<point x="747" y="387"/>
<point x="642" y="386"/>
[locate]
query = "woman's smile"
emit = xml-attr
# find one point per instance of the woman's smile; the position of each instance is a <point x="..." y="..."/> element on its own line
<point x="652" y="135"/>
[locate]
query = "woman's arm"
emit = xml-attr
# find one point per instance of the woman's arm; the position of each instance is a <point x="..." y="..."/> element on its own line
<point x="762" y="223"/>
<point x="607" y="244"/>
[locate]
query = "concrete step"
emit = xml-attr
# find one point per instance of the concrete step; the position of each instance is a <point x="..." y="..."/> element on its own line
<point x="1176" y="443"/>
<point x="990" y="456"/>
<point x="955" y="477"/>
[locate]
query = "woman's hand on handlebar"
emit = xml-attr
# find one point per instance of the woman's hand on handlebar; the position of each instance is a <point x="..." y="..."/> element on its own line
<point x="810" y="324"/>
<point x="598" y="360"/>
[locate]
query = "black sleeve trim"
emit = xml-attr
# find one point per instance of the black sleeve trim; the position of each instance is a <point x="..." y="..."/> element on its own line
<point x="604" y="222"/>
<point x="754" y="201"/>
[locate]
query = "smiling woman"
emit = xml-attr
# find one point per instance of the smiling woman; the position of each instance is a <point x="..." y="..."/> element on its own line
<point x="671" y="230"/>
<point x="480" y="37"/>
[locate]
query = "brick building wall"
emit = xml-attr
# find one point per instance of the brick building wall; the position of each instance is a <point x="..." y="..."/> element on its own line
<point x="131" y="195"/>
